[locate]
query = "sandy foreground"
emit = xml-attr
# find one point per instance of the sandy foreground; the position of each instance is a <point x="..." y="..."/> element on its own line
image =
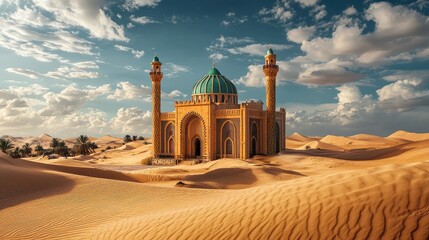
<point x="356" y="187"/>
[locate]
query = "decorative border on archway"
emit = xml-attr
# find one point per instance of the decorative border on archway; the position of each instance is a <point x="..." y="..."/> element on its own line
<point x="165" y="136"/>
<point x="183" y="121"/>
<point x="221" y="142"/>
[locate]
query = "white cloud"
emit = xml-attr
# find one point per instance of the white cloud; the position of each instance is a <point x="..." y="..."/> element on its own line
<point x="127" y="90"/>
<point x="288" y="71"/>
<point x="217" y="56"/>
<point x="174" y="94"/>
<point x="232" y="18"/>
<point x="134" y="4"/>
<point x="142" y="20"/>
<point x="257" y="49"/>
<point x="399" y="34"/>
<point x="301" y="34"/>
<point x="350" y="11"/>
<point x="25" y="72"/>
<point x="71" y="99"/>
<point x="136" y="53"/>
<point x="71" y="71"/>
<point x="172" y="70"/>
<point x="132" y="121"/>
<point x="333" y="72"/>
<point x="307" y="3"/>
<point x="86" y="14"/>
<point x="279" y="12"/>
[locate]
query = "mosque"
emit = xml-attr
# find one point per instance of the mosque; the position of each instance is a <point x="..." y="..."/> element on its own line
<point x="213" y="124"/>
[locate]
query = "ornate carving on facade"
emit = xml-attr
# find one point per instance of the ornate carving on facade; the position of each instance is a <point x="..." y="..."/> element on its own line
<point x="213" y="124"/>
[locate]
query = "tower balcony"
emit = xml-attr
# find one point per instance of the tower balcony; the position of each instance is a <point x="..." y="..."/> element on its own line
<point x="271" y="66"/>
<point x="155" y="73"/>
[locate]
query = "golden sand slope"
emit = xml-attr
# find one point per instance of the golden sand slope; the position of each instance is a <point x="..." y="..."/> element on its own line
<point x="309" y="195"/>
<point x="386" y="202"/>
<point x="409" y="136"/>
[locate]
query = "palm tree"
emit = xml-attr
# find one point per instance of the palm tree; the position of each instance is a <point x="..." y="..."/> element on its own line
<point x="54" y="144"/>
<point x="39" y="149"/>
<point x="63" y="150"/>
<point x="127" y="138"/>
<point x="26" y="149"/>
<point x="16" y="153"/>
<point x="5" y="145"/>
<point x="83" y="145"/>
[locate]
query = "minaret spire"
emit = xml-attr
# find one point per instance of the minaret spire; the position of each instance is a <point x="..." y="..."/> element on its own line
<point x="270" y="70"/>
<point x="156" y="76"/>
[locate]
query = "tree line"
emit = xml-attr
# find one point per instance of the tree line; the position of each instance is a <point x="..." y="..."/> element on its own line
<point x="57" y="146"/>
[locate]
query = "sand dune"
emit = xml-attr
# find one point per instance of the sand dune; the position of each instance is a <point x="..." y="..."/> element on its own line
<point x="409" y="136"/>
<point x="300" y="138"/>
<point x="367" y="193"/>
<point x="320" y="145"/>
<point x="391" y="203"/>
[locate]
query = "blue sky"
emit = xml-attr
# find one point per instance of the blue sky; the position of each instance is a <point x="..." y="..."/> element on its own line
<point x="346" y="67"/>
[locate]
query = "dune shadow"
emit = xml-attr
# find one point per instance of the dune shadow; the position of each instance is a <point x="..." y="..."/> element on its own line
<point x="20" y="184"/>
<point x="278" y="171"/>
<point x="89" y="172"/>
<point x="355" y="155"/>
<point x="223" y="177"/>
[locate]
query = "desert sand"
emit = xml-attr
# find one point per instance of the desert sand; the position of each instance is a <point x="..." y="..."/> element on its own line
<point x="333" y="187"/>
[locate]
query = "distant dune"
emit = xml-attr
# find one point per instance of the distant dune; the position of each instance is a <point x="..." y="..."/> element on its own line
<point x="373" y="188"/>
<point x="409" y="136"/>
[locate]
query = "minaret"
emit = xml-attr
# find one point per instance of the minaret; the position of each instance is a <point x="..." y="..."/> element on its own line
<point x="270" y="71"/>
<point x="156" y="76"/>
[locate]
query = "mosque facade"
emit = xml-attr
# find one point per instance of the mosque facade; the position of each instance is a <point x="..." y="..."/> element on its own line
<point x="213" y="124"/>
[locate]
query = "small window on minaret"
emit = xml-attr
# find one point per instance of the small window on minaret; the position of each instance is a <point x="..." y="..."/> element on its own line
<point x="271" y="60"/>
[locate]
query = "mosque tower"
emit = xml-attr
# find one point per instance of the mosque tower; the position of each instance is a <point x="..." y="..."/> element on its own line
<point x="156" y="76"/>
<point x="270" y="70"/>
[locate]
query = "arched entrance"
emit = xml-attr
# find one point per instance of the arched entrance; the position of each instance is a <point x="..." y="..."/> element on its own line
<point x="253" y="152"/>
<point x="254" y="139"/>
<point x="192" y="128"/>
<point x="197" y="147"/>
<point x="277" y="138"/>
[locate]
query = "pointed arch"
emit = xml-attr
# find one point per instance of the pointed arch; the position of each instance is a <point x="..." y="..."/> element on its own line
<point x="233" y="137"/>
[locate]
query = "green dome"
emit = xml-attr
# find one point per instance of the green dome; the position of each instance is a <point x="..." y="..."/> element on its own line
<point x="270" y="51"/>
<point x="155" y="59"/>
<point x="214" y="83"/>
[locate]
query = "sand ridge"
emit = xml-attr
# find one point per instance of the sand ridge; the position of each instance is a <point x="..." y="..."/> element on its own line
<point x="375" y="192"/>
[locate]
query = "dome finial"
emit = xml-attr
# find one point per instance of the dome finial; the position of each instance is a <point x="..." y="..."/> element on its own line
<point x="213" y="63"/>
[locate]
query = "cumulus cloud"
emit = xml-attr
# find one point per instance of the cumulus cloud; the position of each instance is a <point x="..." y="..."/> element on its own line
<point x="129" y="91"/>
<point x="136" y="53"/>
<point x="399" y="34"/>
<point x="132" y="120"/>
<point x="279" y="12"/>
<point x="288" y="71"/>
<point x="85" y="14"/>
<point x="334" y="72"/>
<point x="301" y="34"/>
<point x="396" y="105"/>
<point x="71" y="99"/>
<point x="307" y="3"/>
